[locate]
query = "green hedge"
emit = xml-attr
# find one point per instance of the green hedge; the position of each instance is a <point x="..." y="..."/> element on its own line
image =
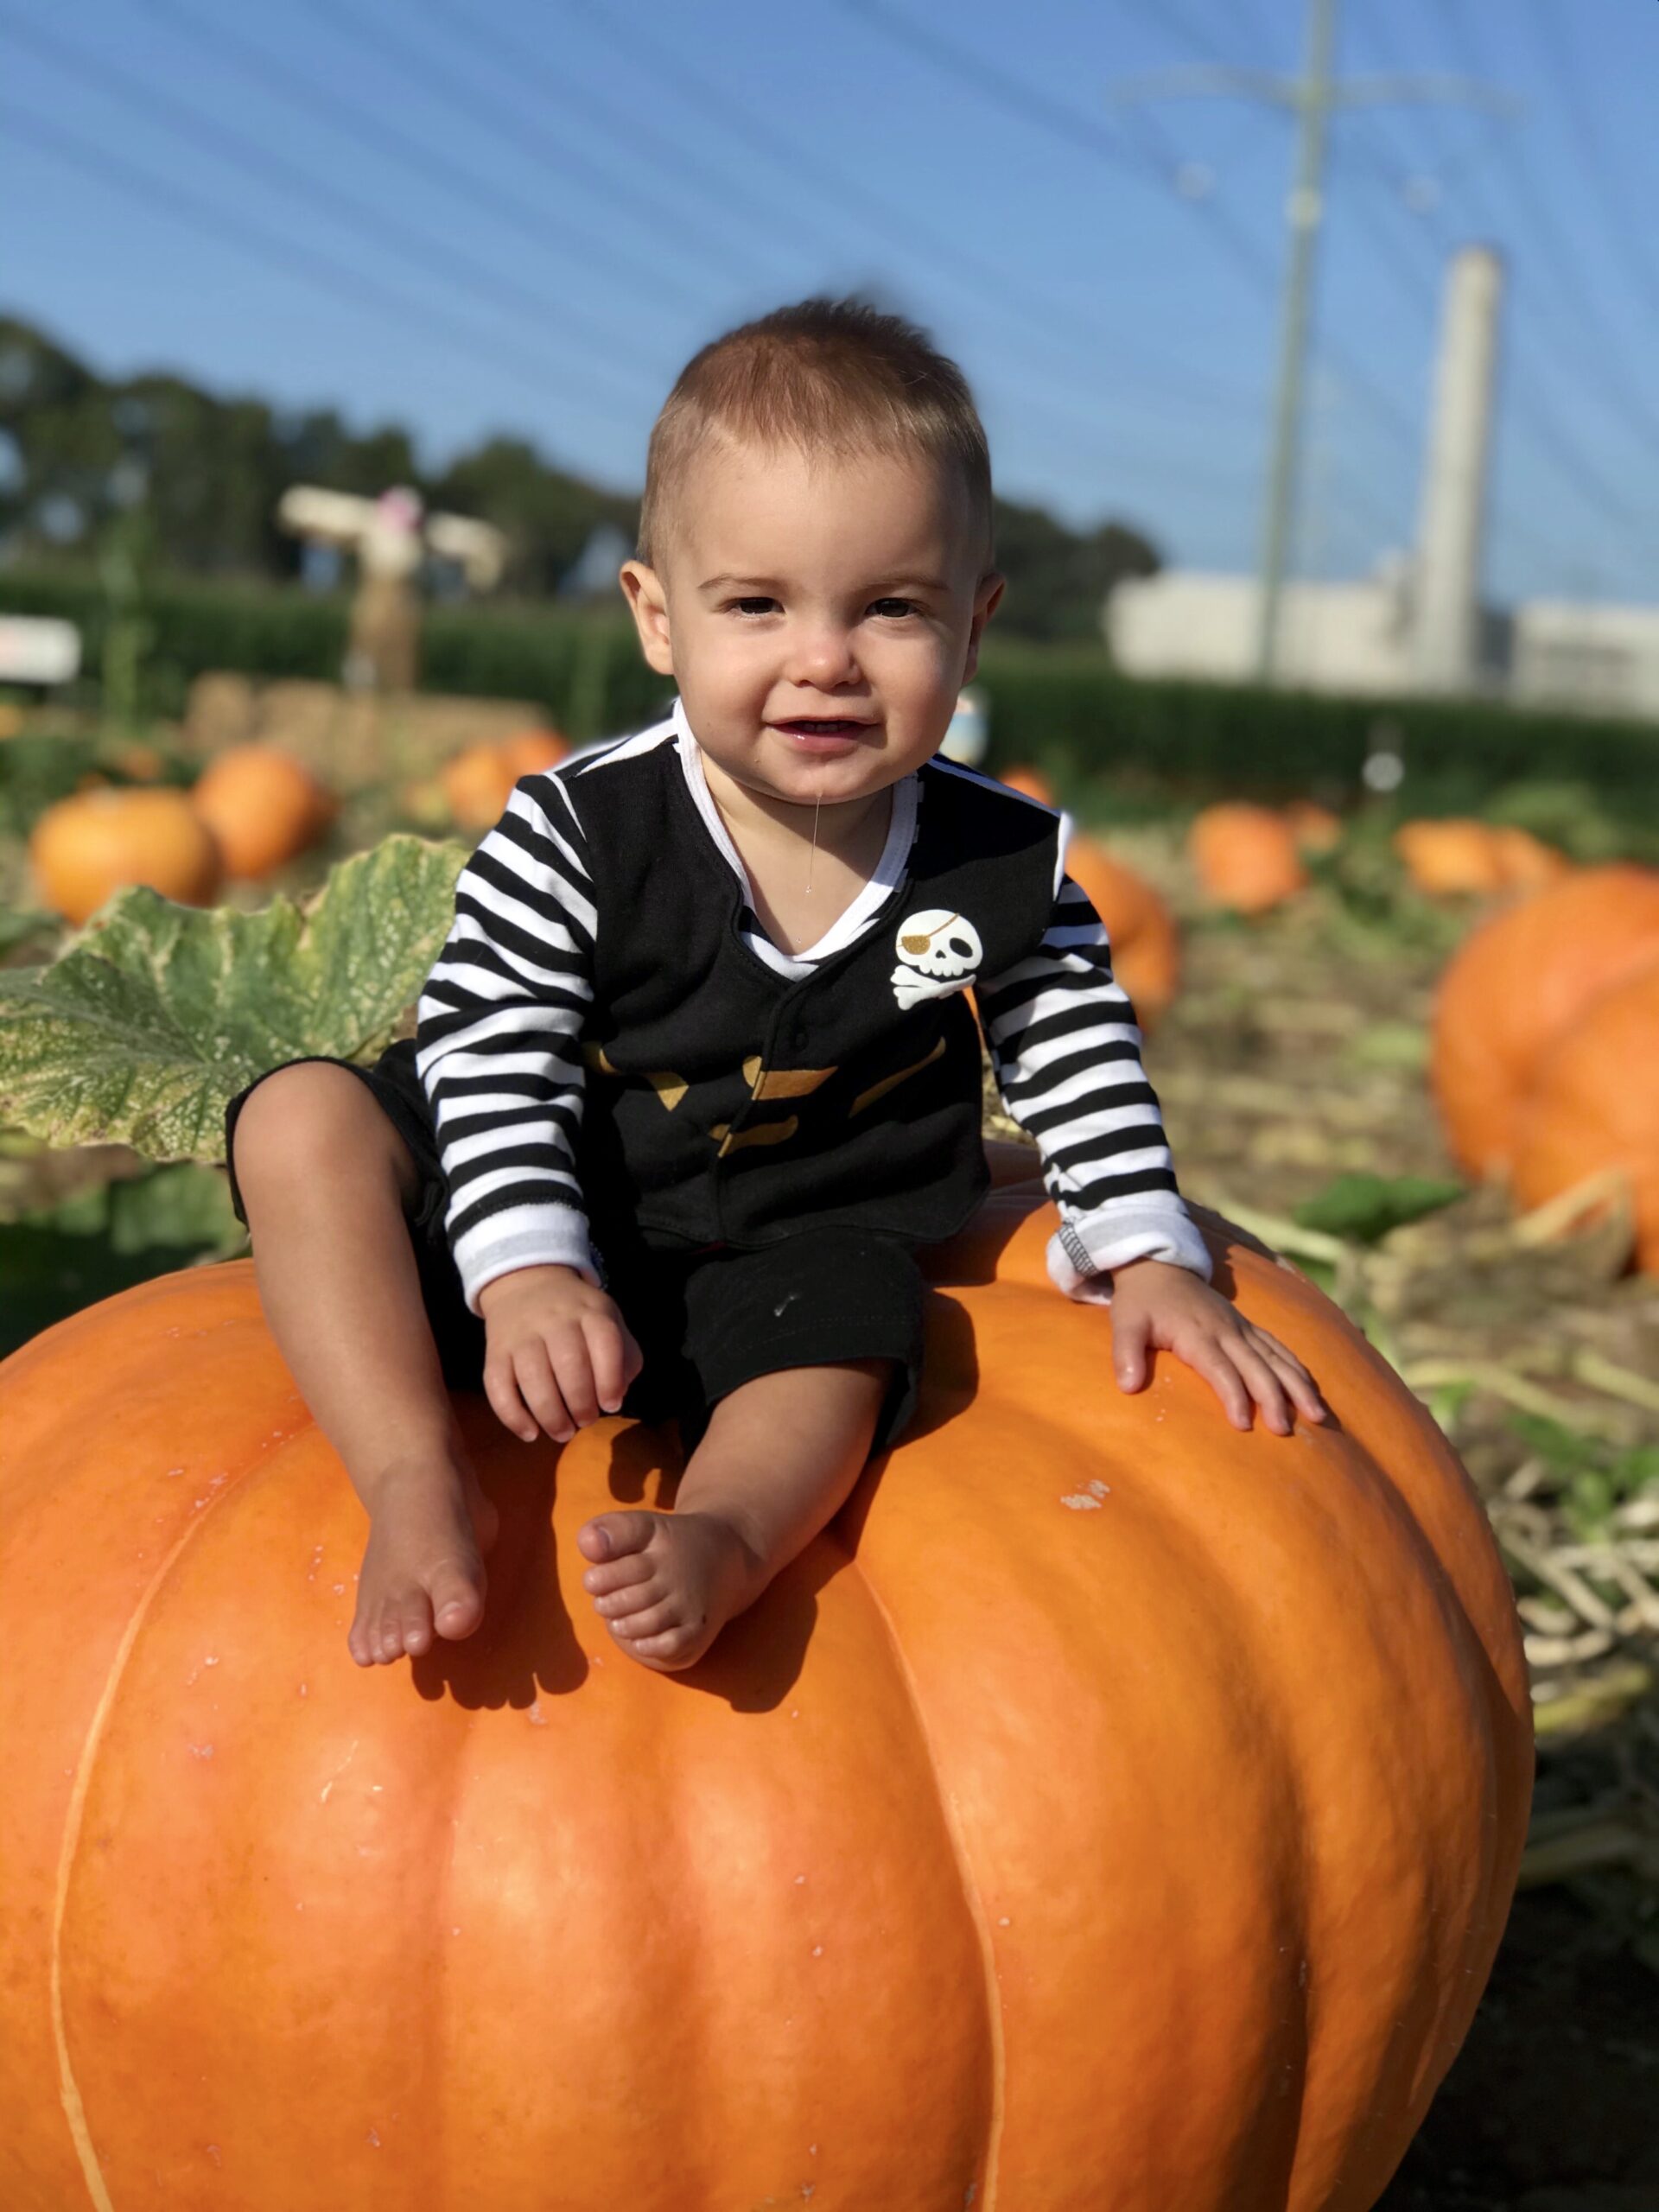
<point x="1061" y="707"/>
<point x="1066" y="710"/>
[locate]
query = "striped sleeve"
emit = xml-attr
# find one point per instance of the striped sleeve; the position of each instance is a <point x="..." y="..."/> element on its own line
<point x="1066" y="1054"/>
<point x="498" y="1042"/>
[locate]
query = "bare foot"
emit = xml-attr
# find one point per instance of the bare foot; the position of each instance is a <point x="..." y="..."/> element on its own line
<point x="422" y="1573"/>
<point x="668" y="1583"/>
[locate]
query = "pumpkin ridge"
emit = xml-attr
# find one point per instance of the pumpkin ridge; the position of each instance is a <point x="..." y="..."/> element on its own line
<point x="69" y="2088"/>
<point x="969" y="1888"/>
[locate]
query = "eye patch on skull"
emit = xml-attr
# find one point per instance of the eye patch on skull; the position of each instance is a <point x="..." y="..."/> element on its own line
<point x="939" y="952"/>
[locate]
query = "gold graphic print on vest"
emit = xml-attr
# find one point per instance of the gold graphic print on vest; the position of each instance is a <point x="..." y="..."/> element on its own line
<point x="764" y="1084"/>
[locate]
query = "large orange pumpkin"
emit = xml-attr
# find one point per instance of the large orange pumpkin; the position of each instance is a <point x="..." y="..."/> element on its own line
<point x="1462" y="854"/>
<point x="1517" y="982"/>
<point x="1110" y="1812"/>
<point x="1245" y="856"/>
<point x="1145" y="944"/>
<point x="477" y="782"/>
<point x="1594" y="1103"/>
<point x="83" y="848"/>
<point x="265" y="807"/>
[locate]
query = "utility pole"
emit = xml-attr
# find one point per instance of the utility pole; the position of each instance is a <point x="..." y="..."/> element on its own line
<point x="1312" y="94"/>
<point x="1312" y="97"/>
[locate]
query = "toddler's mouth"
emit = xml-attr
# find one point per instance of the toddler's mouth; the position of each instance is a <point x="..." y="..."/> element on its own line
<point x="837" y="726"/>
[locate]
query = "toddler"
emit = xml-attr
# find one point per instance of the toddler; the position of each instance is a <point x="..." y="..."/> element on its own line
<point x="697" y="1071"/>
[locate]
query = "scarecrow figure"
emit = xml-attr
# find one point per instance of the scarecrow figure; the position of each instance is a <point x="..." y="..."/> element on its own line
<point x="391" y="537"/>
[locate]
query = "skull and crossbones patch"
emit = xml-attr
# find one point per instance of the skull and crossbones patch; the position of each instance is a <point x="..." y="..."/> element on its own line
<point x="939" y="953"/>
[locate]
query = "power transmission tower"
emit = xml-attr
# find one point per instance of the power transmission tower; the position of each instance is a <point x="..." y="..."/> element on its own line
<point x="1312" y="97"/>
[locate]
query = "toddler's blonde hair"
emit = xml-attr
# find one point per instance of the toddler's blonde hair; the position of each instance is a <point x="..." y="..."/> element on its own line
<point x="834" y="376"/>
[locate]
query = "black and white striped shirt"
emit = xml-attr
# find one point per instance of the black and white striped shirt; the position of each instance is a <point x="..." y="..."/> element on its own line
<point x="509" y="1015"/>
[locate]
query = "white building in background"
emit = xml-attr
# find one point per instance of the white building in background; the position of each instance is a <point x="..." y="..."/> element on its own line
<point x="1590" y="655"/>
<point x="1419" y="625"/>
<point x="1350" y="637"/>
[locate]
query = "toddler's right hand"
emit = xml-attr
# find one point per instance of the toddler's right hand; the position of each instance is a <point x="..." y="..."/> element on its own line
<point x="559" y="1353"/>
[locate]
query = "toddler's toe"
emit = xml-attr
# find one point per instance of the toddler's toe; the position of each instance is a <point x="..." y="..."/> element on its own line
<point x="613" y="1535"/>
<point x="457" y="1600"/>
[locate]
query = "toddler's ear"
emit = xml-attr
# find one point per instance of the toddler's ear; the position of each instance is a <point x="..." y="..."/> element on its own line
<point x="987" y="600"/>
<point x="648" y="604"/>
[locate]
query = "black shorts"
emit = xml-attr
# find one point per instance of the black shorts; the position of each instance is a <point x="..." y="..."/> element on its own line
<point x="706" y="1320"/>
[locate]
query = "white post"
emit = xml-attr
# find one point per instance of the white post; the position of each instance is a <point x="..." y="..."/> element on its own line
<point x="1445" y="631"/>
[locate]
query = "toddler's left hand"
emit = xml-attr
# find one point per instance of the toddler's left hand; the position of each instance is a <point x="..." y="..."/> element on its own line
<point x="1154" y="1304"/>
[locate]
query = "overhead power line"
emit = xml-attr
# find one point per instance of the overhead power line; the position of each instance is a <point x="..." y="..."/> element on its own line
<point x="1004" y="90"/>
<point x="633" y="130"/>
<point x="1604" y="351"/>
<point x="1537" y="415"/>
<point x="196" y="128"/>
<point x="548" y="149"/>
<point x="945" y="254"/>
<point x="1615" y="207"/>
<point x="546" y="227"/>
<point x="311" y="263"/>
<point x="1081" y="418"/>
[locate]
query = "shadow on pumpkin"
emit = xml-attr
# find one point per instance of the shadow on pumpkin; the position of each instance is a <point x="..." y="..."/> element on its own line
<point x="528" y="1647"/>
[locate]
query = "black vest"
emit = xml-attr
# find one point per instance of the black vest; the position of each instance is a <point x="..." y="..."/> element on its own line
<point x="729" y="1104"/>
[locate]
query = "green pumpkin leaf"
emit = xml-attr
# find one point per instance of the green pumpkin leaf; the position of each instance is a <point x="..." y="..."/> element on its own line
<point x="156" y="1014"/>
<point x="1366" y="1207"/>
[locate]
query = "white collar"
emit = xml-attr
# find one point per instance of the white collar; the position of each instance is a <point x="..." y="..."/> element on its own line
<point x="885" y="878"/>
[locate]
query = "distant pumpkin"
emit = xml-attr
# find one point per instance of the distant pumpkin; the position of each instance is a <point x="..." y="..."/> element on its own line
<point x="1030" y="781"/>
<point x="1315" y="828"/>
<point x="86" y="847"/>
<point x="1245" y="856"/>
<point x="1593" y="1104"/>
<point x="1146" y="943"/>
<point x="1526" y="861"/>
<point x="1517" y="984"/>
<point x="477" y="782"/>
<point x="142" y="762"/>
<point x="265" y="807"/>
<point x="1462" y="857"/>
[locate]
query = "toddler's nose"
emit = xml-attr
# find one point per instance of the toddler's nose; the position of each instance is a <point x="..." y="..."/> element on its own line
<point x="824" y="658"/>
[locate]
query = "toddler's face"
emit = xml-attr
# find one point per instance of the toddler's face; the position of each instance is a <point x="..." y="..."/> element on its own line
<point x="796" y="593"/>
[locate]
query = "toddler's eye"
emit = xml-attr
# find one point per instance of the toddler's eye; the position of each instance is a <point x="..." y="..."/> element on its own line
<point x="743" y="605"/>
<point x="892" y="608"/>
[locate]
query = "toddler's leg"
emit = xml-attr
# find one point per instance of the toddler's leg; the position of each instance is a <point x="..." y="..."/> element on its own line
<point x="778" y="1460"/>
<point x="325" y="1178"/>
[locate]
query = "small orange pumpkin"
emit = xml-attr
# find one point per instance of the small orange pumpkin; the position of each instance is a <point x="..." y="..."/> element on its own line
<point x="86" y="847"/>
<point x="1594" y="1103"/>
<point x="1031" y="781"/>
<point x="1448" y="857"/>
<point x="961" y="1770"/>
<point x="477" y="782"/>
<point x="144" y="763"/>
<point x="265" y="807"/>
<point x="1461" y="855"/>
<point x="1516" y="984"/>
<point x="1245" y="856"/>
<point x="1315" y="828"/>
<point x="1146" y="943"/>
<point x="1527" y="863"/>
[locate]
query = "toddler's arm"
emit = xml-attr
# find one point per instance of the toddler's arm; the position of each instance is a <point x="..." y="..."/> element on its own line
<point x="1067" y="1053"/>
<point x="499" y="1044"/>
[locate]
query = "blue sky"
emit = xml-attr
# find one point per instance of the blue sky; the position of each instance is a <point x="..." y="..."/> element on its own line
<point x="524" y="216"/>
